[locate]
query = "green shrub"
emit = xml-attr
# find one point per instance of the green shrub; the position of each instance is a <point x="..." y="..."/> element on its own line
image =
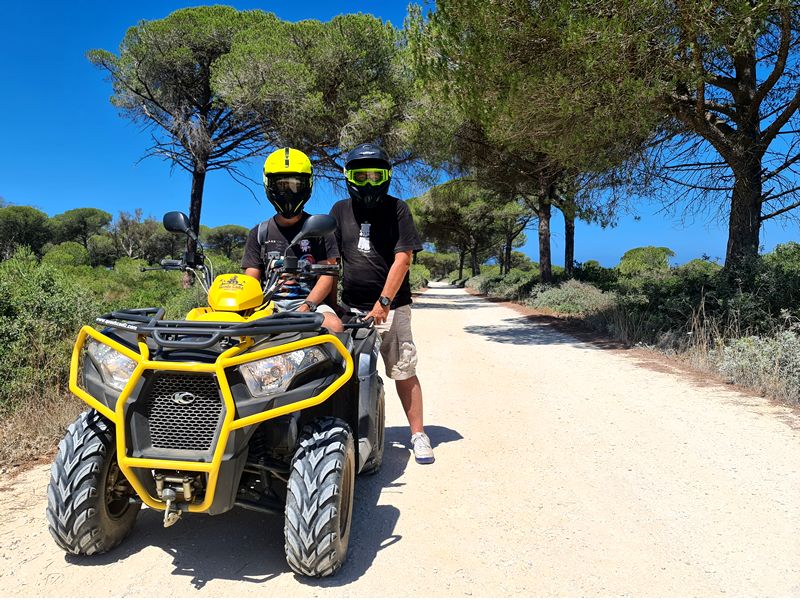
<point x="66" y="254"/>
<point x="485" y="280"/>
<point x="439" y="264"/>
<point x="41" y="310"/>
<point x="418" y="277"/>
<point x="645" y="261"/>
<point x="593" y="272"/>
<point x="770" y="365"/>
<point x="573" y="298"/>
<point x="515" y="285"/>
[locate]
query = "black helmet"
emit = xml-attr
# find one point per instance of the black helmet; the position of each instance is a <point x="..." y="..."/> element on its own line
<point x="368" y="171"/>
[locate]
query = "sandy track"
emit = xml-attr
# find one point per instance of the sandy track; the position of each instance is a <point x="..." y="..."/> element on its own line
<point x="562" y="469"/>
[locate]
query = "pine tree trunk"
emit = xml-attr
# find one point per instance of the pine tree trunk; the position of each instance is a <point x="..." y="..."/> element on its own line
<point x="744" y="226"/>
<point x="569" y="244"/>
<point x="508" y="249"/>
<point x="545" y="260"/>
<point x="476" y="269"/>
<point x="195" y="206"/>
<point x="462" y="256"/>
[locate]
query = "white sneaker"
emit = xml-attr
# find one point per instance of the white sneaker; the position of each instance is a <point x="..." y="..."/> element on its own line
<point x="423" y="453"/>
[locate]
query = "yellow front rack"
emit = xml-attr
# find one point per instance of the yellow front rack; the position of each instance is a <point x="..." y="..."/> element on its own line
<point x="230" y="358"/>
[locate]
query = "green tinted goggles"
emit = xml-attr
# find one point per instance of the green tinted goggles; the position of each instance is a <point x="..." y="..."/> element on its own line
<point x="369" y="176"/>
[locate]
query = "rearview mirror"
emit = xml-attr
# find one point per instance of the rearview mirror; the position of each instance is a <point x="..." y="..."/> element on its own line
<point x="316" y="226"/>
<point x="176" y="222"/>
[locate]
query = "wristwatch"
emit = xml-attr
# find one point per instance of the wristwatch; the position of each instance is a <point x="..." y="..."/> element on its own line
<point x="311" y="304"/>
<point x="384" y="301"/>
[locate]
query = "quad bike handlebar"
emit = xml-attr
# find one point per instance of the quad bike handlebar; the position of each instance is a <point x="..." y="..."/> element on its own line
<point x="204" y="334"/>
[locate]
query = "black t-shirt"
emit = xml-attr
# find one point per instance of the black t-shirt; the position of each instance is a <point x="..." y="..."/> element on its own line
<point x="368" y="240"/>
<point x="277" y="240"/>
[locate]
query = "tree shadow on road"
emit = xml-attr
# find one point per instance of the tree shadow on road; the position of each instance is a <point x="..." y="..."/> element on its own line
<point x="246" y="546"/>
<point x="464" y="305"/>
<point x="522" y="331"/>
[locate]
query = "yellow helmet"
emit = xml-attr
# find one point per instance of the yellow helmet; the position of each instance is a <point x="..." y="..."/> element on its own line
<point x="288" y="181"/>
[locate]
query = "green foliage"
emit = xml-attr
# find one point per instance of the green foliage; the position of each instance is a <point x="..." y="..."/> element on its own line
<point x="514" y="285"/>
<point x="22" y="226"/>
<point x="521" y="261"/>
<point x="780" y="278"/>
<point x="41" y="310"/>
<point x="486" y="279"/>
<point x="593" y="272"/>
<point x="440" y="264"/>
<point x="228" y="240"/>
<point x="79" y="225"/>
<point x="324" y="87"/>
<point x="463" y="216"/>
<point x="645" y="261"/>
<point x="66" y="254"/>
<point x="573" y="298"/>
<point x="102" y="251"/>
<point x="768" y="364"/>
<point x="162" y="78"/>
<point x="136" y="237"/>
<point x="418" y="277"/>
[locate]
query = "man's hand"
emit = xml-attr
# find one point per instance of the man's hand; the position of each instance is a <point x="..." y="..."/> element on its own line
<point x="379" y="313"/>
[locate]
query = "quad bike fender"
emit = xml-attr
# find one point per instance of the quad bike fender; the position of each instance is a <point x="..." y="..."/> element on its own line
<point x="366" y="430"/>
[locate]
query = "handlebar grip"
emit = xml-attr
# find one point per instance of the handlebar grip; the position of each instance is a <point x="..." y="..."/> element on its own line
<point x="360" y="323"/>
<point x="325" y="269"/>
<point x="170" y="262"/>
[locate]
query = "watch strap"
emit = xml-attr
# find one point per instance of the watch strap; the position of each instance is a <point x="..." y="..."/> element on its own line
<point x="311" y="304"/>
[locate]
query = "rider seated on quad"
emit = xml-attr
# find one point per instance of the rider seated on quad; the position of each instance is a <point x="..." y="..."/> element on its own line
<point x="288" y="182"/>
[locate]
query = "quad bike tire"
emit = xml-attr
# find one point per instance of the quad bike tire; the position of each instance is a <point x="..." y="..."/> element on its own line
<point x="375" y="460"/>
<point x="319" y="499"/>
<point x="86" y="511"/>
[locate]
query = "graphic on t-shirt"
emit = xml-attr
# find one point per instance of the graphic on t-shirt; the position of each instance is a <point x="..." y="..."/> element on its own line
<point x="305" y="246"/>
<point x="363" y="238"/>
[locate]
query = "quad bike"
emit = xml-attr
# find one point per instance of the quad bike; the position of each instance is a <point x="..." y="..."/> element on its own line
<point x="234" y="406"/>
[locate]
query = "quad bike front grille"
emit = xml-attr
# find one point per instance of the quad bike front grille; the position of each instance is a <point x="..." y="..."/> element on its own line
<point x="183" y="411"/>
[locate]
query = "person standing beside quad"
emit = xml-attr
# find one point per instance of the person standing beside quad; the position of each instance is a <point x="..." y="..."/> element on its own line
<point x="288" y="182"/>
<point x="377" y="237"/>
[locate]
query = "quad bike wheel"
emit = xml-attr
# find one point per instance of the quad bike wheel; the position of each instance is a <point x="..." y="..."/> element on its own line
<point x="319" y="499"/>
<point x="88" y="498"/>
<point x="375" y="460"/>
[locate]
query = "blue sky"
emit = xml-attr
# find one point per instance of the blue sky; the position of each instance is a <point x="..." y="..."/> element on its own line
<point x="64" y="146"/>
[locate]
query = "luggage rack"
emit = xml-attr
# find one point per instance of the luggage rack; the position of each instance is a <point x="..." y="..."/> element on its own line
<point x="204" y="334"/>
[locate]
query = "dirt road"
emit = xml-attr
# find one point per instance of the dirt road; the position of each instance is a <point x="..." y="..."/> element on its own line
<point x="561" y="469"/>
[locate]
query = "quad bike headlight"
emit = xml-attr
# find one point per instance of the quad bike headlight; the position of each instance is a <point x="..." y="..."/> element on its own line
<point x="274" y="374"/>
<point x="115" y="368"/>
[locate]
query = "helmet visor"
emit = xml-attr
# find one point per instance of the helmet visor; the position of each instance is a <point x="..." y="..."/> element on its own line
<point x="292" y="184"/>
<point x="368" y="176"/>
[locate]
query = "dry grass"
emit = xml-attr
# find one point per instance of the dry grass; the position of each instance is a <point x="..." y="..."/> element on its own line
<point x="35" y="430"/>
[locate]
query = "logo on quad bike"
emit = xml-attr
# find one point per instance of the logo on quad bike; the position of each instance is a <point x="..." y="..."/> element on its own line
<point x="183" y="398"/>
<point x="232" y="284"/>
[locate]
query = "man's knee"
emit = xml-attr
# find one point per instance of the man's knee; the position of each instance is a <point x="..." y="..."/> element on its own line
<point x="332" y="323"/>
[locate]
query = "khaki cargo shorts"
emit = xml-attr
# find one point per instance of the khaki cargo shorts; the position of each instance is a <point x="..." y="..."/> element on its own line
<point x="397" y="345"/>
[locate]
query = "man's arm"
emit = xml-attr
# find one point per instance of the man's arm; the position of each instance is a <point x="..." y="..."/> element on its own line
<point x="397" y="273"/>
<point x="321" y="288"/>
<point x="253" y="272"/>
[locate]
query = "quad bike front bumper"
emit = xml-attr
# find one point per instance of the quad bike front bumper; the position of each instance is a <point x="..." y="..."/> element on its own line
<point x="208" y="458"/>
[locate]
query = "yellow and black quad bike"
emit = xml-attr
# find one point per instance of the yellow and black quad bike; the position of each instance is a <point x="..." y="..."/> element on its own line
<point x="233" y="406"/>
